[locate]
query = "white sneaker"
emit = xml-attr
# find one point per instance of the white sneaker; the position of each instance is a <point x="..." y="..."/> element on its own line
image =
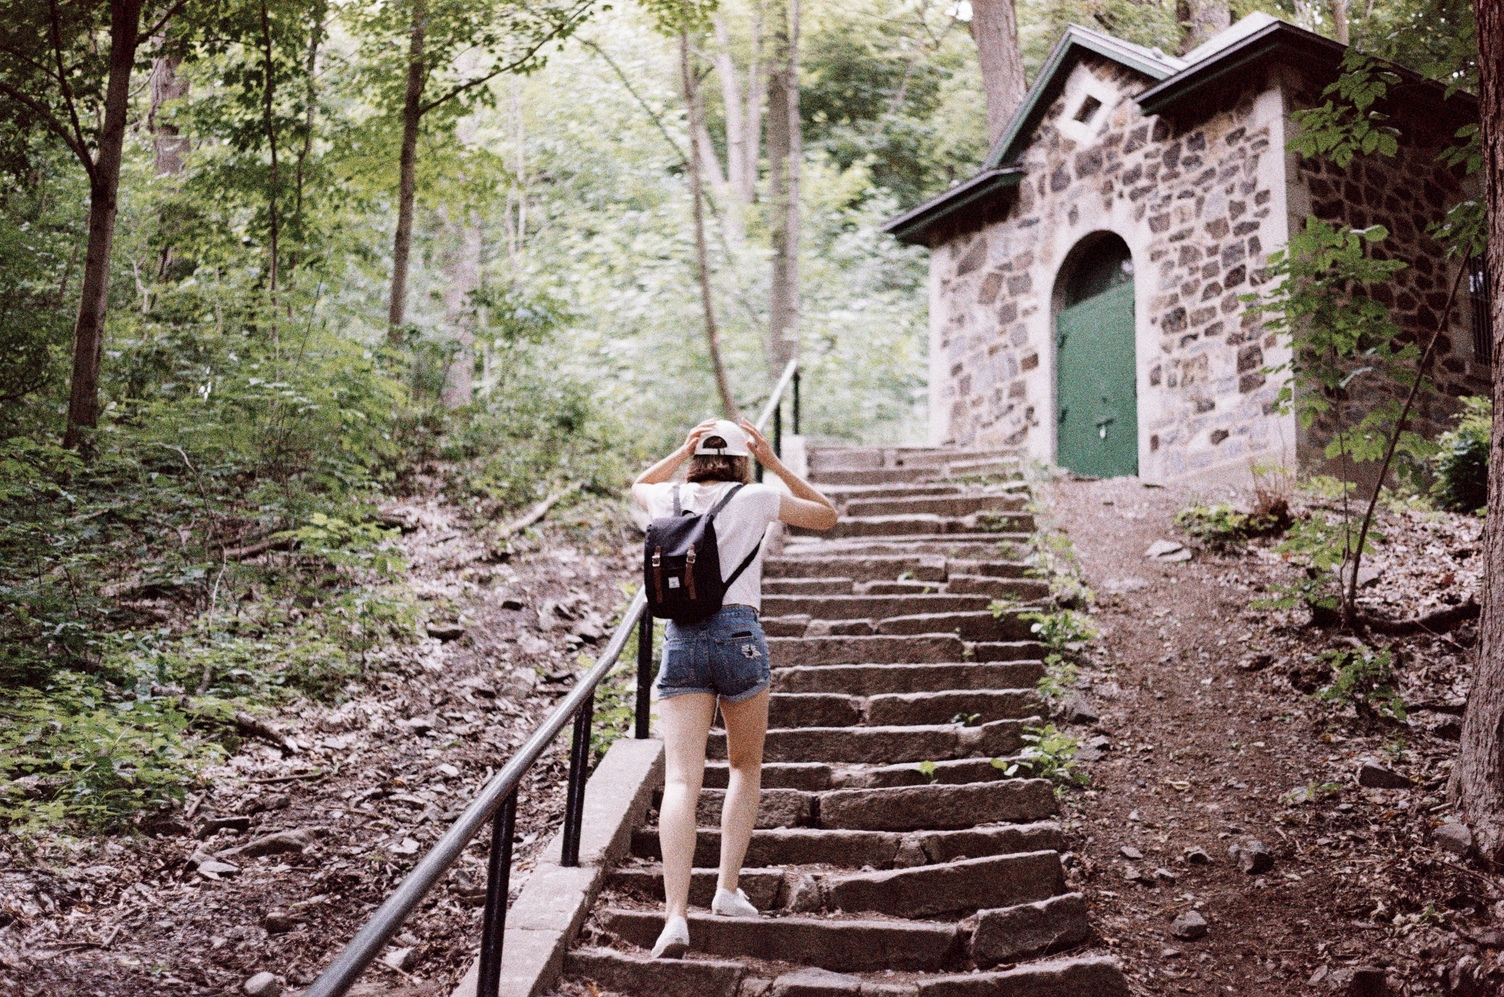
<point x="728" y="904"/>
<point x="674" y="941"/>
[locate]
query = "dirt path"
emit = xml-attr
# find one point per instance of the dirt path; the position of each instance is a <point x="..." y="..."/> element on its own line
<point x="1206" y="746"/>
<point x="372" y="783"/>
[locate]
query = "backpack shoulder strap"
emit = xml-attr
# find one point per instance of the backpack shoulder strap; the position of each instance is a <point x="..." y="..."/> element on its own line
<point x="678" y="509"/>
<point x="730" y="494"/>
<point x="746" y="562"/>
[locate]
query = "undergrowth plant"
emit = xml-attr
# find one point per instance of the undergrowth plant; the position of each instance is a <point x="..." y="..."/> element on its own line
<point x="1048" y="753"/>
<point x="1363" y="678"/>
<point x="1461" y="461"/>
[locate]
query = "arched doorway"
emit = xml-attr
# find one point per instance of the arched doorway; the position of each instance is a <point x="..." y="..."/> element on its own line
<point x="1096" y="385"/>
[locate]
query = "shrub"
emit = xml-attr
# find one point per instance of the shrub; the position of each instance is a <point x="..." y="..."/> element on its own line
<point x="1223" y="525"/>
<point x="1461" y="463"/>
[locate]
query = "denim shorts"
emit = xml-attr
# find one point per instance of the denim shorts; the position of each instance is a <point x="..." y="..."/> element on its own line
<point x="725" y="655"/>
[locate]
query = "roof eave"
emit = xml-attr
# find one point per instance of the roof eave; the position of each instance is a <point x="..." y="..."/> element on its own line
<point x="1282" y="38"/>
<point x="911" y="226"/>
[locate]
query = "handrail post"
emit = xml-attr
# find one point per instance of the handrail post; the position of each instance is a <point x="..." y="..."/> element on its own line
<point x="644" y="673"/>
<point x="574" y="800"/>
<point x="796" y="401"/>
<point x="778" y="428"/>
<point x="498" y="883"/>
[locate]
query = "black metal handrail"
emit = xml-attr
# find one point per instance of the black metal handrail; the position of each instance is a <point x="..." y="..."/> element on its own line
<point x="497" y="801"/>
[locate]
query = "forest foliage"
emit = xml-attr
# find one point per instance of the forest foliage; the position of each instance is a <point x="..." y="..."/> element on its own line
<point x="214" y="542"/>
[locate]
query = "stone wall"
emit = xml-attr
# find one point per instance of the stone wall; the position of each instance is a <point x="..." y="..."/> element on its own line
<point x="1405" y="193"/>
<point x="1199" y="208"/>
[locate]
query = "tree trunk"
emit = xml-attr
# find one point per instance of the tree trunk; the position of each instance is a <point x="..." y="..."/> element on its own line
<point x="1199" y="20"/>
<point x="463" y="266"/>
<point x="168" y="146"/>
<point x="757" y="91"/>
<point x="104" y="186"/>
<point x="310" y="110"/>
<point x="702" y="264"/>
<point x="1478" y="779"/>
<point x="994" y="27"/>
<point x="1340" y="30"/>
<point x="268" y="97"/>
<point x="784" y="151"/>
<point x="407" y="179"/>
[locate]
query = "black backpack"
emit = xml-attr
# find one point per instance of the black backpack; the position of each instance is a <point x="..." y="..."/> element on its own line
<point x="681" y="564"/>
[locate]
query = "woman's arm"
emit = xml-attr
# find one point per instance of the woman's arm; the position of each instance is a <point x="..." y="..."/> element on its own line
<point x="806" y="507"/>
<point x="664" y="470"/>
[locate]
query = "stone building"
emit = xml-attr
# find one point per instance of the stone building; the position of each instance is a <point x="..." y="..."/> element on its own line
<point x="1086" y="286"/>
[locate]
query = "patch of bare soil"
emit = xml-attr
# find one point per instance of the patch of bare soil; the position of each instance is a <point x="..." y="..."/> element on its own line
<point x="285" y="852"/>
<point x="1211" y="739"/>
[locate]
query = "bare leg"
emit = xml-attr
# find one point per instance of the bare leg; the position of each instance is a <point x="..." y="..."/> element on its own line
<point x="685" y="721"/>
<point x="746" y="727"/>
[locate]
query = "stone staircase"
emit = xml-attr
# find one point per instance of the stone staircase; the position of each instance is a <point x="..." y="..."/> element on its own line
<point x="877" y="876"/>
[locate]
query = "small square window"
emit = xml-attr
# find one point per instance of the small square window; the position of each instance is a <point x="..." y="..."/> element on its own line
<point x="1088" y="109"/>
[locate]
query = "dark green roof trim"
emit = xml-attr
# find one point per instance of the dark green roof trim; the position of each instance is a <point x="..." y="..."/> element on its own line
<point x="1288" y="41"/>
<point x="1056" y="69"/>
<point x="911" y="226"/>
<point x="1283" y="42"/>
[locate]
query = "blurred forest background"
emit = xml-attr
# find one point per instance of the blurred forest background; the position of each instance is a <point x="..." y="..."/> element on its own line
<point x="357" y="248"/>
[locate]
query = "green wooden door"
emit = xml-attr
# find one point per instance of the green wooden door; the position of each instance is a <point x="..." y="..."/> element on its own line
<point x="1096" y="385"/>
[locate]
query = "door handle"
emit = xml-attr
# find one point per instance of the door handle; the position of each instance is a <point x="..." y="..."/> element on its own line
<point x="1102" y="425"/>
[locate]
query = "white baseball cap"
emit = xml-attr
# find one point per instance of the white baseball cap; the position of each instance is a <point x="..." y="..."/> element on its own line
<point x="734" y="436"/>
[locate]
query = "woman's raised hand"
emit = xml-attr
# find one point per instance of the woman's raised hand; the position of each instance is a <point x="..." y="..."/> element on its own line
<point x="758" y="443"/>
<point x="695" y="435"/>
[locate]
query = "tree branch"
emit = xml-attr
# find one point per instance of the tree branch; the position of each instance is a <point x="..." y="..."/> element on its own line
<point x="62" y="77"/>
<point x="162" y="22"/>
<point x="53" y="125"/>
<point x="574" y="18"/>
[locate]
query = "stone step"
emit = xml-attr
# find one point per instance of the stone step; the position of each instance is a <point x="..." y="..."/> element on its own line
<point x="807" y="586"/>
<point x="876" y="458"/>
<point x="898" y="588"/>
<point x="957" y="887"/>
<point x="1084" y="976"/>
<point x="787" y="652"/>
<point x="868" y="680"/>
<point x="764" y="886"/>
<point x="828" y="709"/>
<point x="870" y="607"/>
<point x="912" y="808"/>
<point x="840" y="494"/>
<point x="932" y="890"/>
<point x="841" y="944"/>
<point x="700" y="976"/>
<point x="875" y="476"/>
<point x="856" y="567"/>
<point x="1021" y="931"/>
<point x="954" y="506"/>
<point x="973" y="626"/>
<point x="1031" y="589"/>
<point x="798" y="846"/>
<point x="967" y="546"/>
<point x="895" y="808"/>
<point x="924" y="525"/>
<point x="990" y="569"/>
<point x="640" y="973"/>
<point x="886" y="745"/>
<point x="777" y="775"/>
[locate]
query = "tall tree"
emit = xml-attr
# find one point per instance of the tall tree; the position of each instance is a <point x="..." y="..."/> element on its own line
<point x="994" y="26"/>
<point x="63" y="64"/>
<point x="694" y="102"/>
<point x="442" y="71"/>
<point x="1478" y="779"/>
<point x="785" y="150"/>
<point x="1200" y="19"/>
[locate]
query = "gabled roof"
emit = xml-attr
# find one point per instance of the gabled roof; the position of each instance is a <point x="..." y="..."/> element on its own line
<point x="912" y="225"/>
<point x="1075" y="42"/>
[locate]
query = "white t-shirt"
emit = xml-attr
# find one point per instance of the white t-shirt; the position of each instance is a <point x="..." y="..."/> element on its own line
<point x="738" y="527"/>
